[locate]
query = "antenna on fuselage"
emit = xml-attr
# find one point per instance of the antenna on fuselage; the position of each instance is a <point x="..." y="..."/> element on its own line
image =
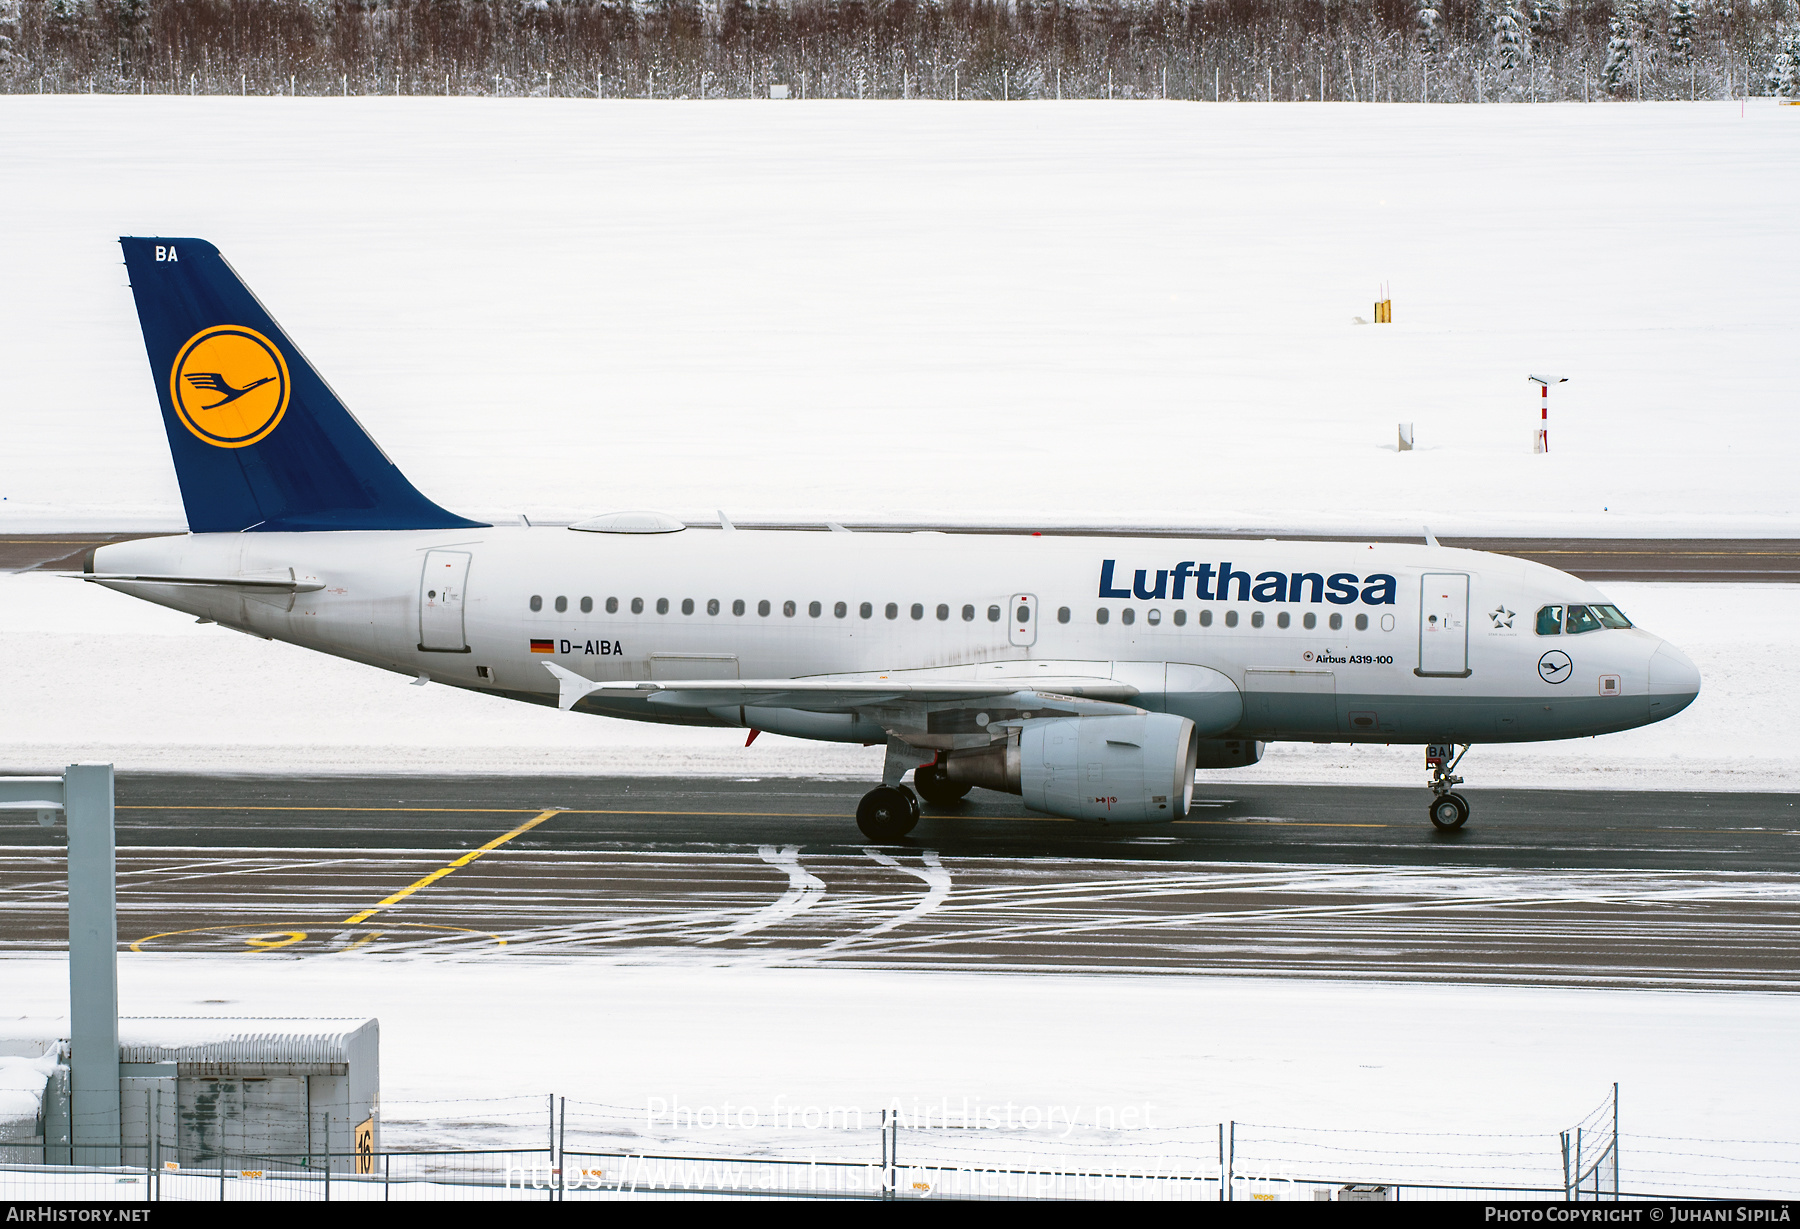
<point x="725" y="522"/>
<point x="1429" y="540"/>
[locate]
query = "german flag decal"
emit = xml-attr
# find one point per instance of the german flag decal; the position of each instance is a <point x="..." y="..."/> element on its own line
<point x="543" y="646"/>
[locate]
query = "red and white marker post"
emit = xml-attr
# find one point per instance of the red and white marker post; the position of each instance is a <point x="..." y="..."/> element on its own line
<point x="1541" y="440"/>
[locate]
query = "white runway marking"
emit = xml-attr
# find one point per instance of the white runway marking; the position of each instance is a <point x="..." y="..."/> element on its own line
<point x="804" y="890"/>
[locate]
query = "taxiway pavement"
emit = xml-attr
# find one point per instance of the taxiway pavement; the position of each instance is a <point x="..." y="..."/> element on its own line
<point x="1544" y="887"/>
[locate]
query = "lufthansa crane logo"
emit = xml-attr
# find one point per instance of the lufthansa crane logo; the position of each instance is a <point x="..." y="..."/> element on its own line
<point x="229" y="385"/>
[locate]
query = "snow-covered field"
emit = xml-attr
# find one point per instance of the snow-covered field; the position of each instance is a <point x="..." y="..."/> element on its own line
<point x="1177" y="1052"/>
<point x="1037" y="313"/>
<point x="96" y="675"/>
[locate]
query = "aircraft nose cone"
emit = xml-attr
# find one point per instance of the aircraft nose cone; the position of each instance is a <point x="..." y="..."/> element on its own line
<point x="1674" y="681"/>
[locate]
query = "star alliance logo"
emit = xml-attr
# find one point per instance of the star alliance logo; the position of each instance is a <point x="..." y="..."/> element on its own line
<point x="1501" y="616"/>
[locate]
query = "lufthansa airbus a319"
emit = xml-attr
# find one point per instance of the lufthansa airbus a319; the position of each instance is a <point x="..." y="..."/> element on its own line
<point x="1092" y="676"/>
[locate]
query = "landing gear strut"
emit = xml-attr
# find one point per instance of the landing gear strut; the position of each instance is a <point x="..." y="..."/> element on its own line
<point x="887" y="813"/>
<point x="1449" y="809"/>
<point x="936" y="787"/>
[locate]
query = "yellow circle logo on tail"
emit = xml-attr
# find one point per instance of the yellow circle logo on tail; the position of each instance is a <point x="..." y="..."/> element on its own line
<point x="230" y="385"/>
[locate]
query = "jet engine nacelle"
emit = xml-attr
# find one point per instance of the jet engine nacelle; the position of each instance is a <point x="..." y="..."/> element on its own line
<point x="1119" y="770"/>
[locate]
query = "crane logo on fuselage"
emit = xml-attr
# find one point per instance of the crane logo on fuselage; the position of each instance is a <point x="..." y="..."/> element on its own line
<point x="229" y="386"/>
<point x="1226" y="583"/>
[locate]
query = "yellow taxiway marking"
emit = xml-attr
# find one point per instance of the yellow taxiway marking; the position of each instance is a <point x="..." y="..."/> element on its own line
<point x="275" y="939"/>
<point x="370" y="938"/>
<point x="266" y="933"/>
<point x="451" y="869"/>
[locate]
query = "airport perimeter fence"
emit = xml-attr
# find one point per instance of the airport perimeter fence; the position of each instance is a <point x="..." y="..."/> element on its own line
<point x="586" y="1151"/>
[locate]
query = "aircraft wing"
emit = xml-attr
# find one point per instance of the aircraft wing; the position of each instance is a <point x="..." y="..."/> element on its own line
<point x="833" y="694"/>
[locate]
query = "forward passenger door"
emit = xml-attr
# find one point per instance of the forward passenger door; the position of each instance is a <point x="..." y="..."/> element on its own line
<point x="1443" y="625"/>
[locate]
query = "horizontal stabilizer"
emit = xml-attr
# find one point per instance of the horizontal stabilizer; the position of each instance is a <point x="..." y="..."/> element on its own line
<point x="272" y="582"/>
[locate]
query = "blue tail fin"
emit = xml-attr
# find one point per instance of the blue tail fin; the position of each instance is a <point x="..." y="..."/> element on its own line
<point x="260" y="441"/>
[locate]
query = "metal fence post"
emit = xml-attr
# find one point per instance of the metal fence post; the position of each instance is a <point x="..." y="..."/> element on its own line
<point x="1615" y="1141"/>
<point x="1565" y="1152"/>
<point x="1231" y="1171"/>
<point x="93" y="966"/>
<point x="550" y="1104"/>
<point x="1221" y="1162"/>
<point x="562" y="1148"/>
<point x="387" y="1159"/>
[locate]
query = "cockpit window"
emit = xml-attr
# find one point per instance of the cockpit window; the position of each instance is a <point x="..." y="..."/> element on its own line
<point x="1550" y="621"/>
<point x="1581" y="619"/>
<point x="1611" y="616"/>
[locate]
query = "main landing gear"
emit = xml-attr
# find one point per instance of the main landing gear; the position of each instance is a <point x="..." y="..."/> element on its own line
<point x="936" y="787"/>
<point x="1449" y="809"/>
<point x="887" y="813"/>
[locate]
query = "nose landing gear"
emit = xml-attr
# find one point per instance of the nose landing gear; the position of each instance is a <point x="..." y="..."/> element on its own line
<point x="1449" y="809"/>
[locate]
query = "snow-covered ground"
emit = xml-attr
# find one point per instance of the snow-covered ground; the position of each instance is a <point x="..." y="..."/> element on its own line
<point x="96" y="675"/>
<point x="1036" y="313"/>
<point x="1170" y="1056"/>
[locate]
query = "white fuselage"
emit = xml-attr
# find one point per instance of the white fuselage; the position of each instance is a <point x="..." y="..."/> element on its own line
<point x="1325" y="654"/>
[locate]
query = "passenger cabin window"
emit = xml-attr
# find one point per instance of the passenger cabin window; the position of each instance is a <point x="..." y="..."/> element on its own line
<point x="918" y="610"/>
<point x="537" y="601"/>
<point x="788" y="608"/>
<point x="1128" y="616"/>
<point x="1206" y="618"/>
<point x="1362" y="623"/>
<point x="814" y="610"/>
<point x="612" y="605"/>
<point x="1062" y="614"/>
<point x="969" y="614"/>
<point x="587" y="605"/>
<point x="1309" y="620"/>
<point x="892" y="611"/>
<point x="637" y="605"/>
<point x="1181" y="618"/>
<point x="712" y="605"/>
<point x="993" y="614"/>
<point x="737" y="606"/>
<point x="1101" y="615"/>
<point x="866" y="610"/>
<point x="1151" y="616"/>
<point x="840" y="610"/>
<point x="1282" y="620"/>
<point x="1231" y="618"/>
<point x="1581" y="619"/>
<point x="943" y="612"/>
<point x="662" y="605"/>
<point x="687" y="605"/>
<point x="1256" y="618"/>
<point x="762" y="608"/>
<point x="562" y="604"/>
<point x="1550" y="621"/>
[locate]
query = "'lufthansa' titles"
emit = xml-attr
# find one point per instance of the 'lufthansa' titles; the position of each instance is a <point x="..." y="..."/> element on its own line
<point x="1225" y="583"/>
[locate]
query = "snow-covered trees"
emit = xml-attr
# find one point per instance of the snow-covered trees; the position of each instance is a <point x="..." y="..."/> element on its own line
<point x="1681" y="32"/>
<point x="1509" y="35"/>
<point x="1784" y="75"/>
<point x="1435" y="50"/>
<point x="1621" y="48"/>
